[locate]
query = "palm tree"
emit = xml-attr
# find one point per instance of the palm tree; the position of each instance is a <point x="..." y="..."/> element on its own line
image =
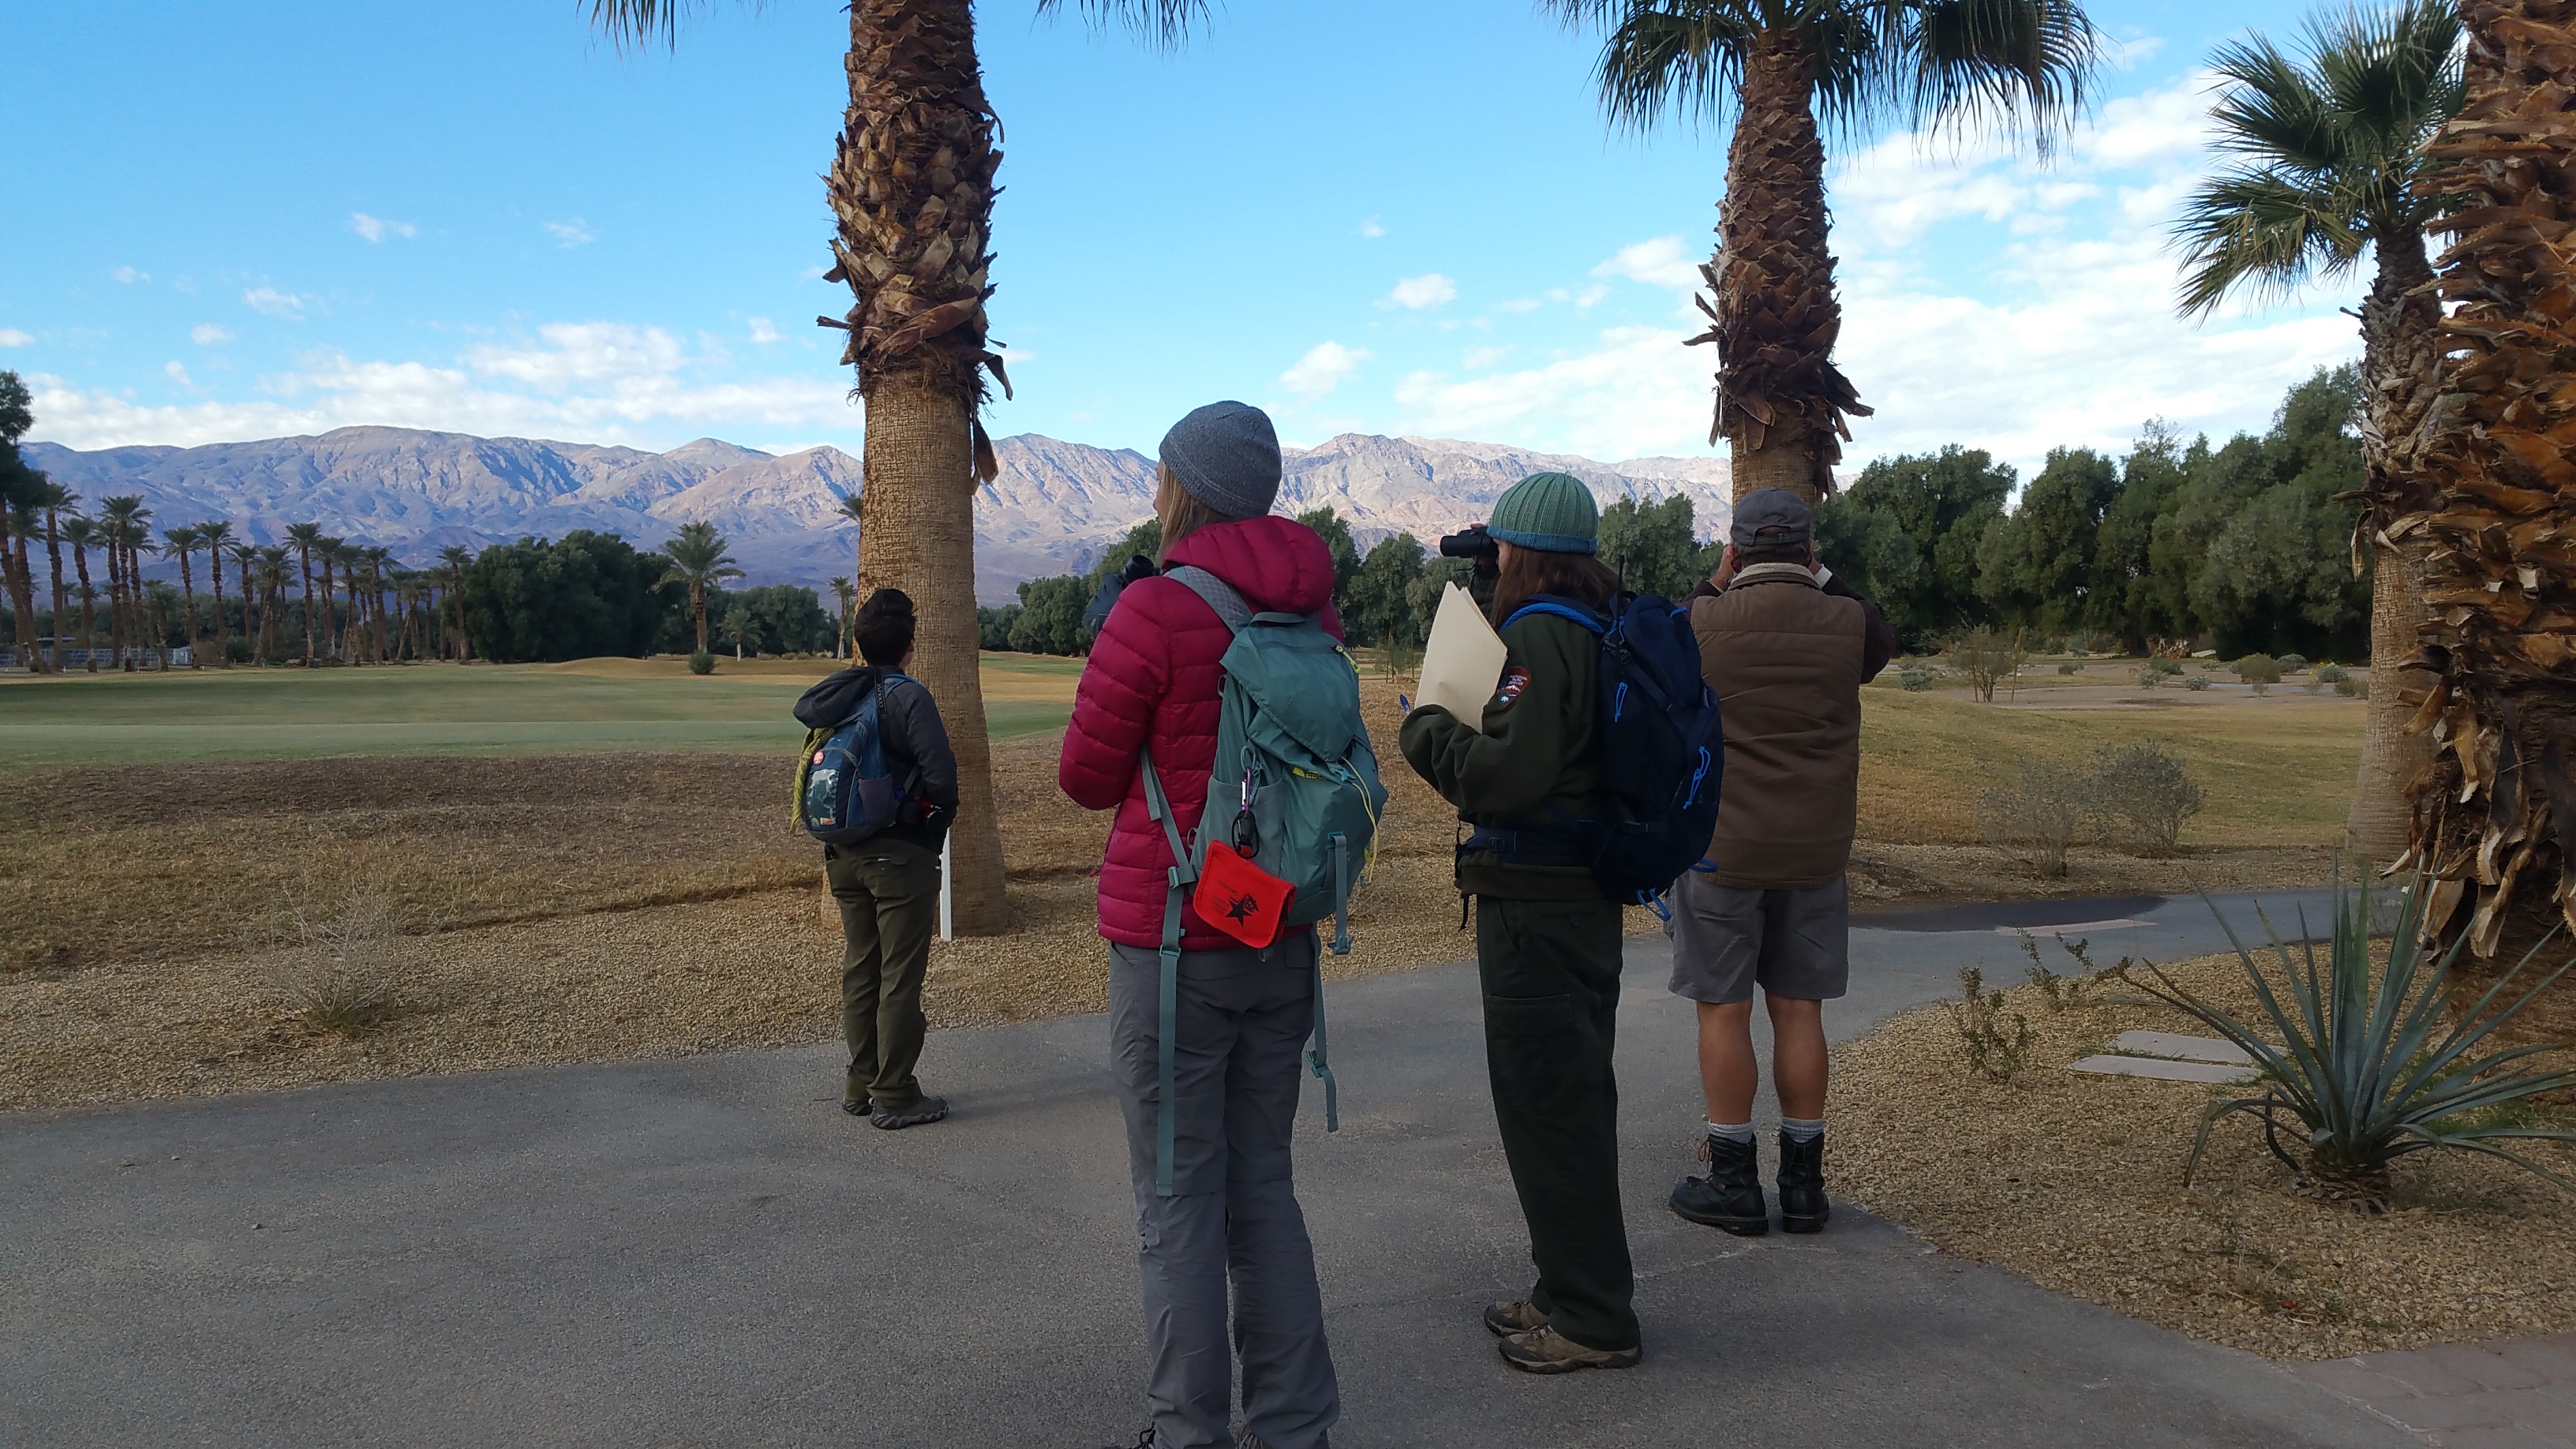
<point x="331" y="551"/>
<point x="1776" y="67"/>
<point x="306" y="539"/>
<point x="458" y="558"/>
<point x="128" y="525"/>
<point x="911" y="186"/>
<point x="80" y="533"/>
<point x="245" y="568"/>
<point x="2495" y="816"/>
<point x="698" y="559"/>
<point x="272" y="580"/>
<point x="848" y="595"/>
<point x="216" y="535"/>
<point x="2332" y="150"/>
<point x="22" y="521"/>
<point x="184" y="541"/>
<point x="57" y="500"/>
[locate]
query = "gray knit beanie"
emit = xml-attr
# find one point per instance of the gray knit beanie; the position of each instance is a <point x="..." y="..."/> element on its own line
<point x="1226" y="455"/>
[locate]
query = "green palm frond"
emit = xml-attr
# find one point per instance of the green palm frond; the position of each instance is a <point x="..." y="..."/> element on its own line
<point x="2261" y="229"/>
<point x="639" y="23"/>
<point x="2395" y="75"/>
<point x="1164" y="23"/>
<point x="2009" y="66"/>
<point x="2274" y="108"/>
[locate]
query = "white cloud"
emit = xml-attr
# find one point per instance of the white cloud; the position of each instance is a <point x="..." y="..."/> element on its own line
<point x="275" y="303"/>
<point x="1428" y="290"/>
<point x="573" y="233"/>
<point x="589" y="381"/>
<point x="12" y="337"/>
<point x="1657" y="263"/>
<point x="129" y="275"/>
<point x="1479" y="358"/>
<point x="178" y="372"/>
<point x="762" y="332"/>
<point x="2134" y="52"/>
<point x="1372" y="228"/>
<point x="207" y="334"/>
<point x="1518" y="304"/>
<point x="1322" y="369"/>
<point x="376" y="228"/>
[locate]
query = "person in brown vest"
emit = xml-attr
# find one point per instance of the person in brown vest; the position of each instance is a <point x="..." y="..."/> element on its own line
<point x="1787" y="647"/>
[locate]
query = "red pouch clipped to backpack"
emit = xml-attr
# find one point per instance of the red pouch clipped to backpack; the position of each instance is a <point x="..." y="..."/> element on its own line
<point x="1240" y="898"/>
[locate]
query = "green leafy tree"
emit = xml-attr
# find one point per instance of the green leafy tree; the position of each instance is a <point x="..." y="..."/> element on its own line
<point x="1651" y="545"/>
<point x="1378" y="606"/>
<point x="2035" y="565"/>
<point x="1943" y="504"/>
<point x="1050" y="616"/>
<point x="582" y="596"/>
<point x="1867" y="549"/>
<point x="1774" y="68"/>
<point x="2120" y="600"/>
<point x="1337" y="539"/>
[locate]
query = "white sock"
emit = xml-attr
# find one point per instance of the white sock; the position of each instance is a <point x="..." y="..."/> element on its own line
<point x="1738" y="1132"/>
<point x="1802" y="1129"/>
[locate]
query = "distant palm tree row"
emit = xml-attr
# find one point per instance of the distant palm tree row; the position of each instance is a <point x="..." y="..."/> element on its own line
<point x="368" y="609"/>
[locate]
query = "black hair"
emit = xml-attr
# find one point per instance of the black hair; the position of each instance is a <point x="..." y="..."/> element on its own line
<point x="884" y="628"/>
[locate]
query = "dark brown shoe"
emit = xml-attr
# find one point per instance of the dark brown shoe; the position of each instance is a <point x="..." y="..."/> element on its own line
<point x="1513" y="1315"/>
<point x="1546" y="1351"/>
<point x="922" y="1111"/>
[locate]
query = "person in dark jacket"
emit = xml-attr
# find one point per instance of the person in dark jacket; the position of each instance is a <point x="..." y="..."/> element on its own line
<point x="1231" y="1218"/>
<point x="887" y="885"/>
<point x="1787" y="646"/>
<point x="1547" y="940"/>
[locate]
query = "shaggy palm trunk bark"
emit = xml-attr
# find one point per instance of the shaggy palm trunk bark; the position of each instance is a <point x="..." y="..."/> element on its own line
<point x="54" y="548"/>
<point x="22" y="599"/>
<point x="196" y="635"/>
<point x="2495" y="816"/>
<point x="89" y="607"/>
<point x="223" y="630"/>
<point x="1780" y="400"/>
<point x="305" y="560"/>
<point x="911" y="187"/>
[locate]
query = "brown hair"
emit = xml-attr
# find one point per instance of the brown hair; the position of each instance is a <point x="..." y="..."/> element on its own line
<point x="1187" y="514"/>
<point x="1577" y="576"/>
<point x="883" y="628"/>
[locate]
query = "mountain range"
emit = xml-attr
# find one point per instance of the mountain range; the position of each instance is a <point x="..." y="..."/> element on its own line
<point x="1053" y="509"/>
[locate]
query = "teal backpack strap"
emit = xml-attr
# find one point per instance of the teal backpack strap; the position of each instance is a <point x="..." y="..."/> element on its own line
<point x="1181" y="876"/>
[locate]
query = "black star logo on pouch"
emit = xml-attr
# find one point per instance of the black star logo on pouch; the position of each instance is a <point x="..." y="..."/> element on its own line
<point x="1242" y="908"/>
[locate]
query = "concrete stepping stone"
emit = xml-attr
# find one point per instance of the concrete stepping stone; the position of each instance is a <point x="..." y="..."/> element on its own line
<point x="2179" y="1047"/>
<point x="2163" y="1069"/>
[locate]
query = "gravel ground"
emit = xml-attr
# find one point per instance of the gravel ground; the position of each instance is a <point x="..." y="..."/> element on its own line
<point x="2076" y="1182"/>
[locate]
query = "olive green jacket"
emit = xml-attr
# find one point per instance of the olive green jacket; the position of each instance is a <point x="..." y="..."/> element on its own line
<point x="1541" y="743"/>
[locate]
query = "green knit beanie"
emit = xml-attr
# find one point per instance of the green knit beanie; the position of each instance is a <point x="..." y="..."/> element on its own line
<point x="1551" y="512"/>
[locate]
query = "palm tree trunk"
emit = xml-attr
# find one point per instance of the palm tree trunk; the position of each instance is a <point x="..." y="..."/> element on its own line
<point x="2495" y="816"/>
<point x="89" y="609"/>
<point x="196" y="635"/>
<point x="54" y="547"/>
<point x="305" y="558"/>
<point x="919" y="466"/>
<point x="1780" y="399"/>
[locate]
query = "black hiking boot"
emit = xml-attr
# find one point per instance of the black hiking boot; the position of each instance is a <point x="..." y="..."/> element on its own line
<point x="923" y="1111"/>
<point x="1803" y="1208"/>
<point x="1730" y="1197"/>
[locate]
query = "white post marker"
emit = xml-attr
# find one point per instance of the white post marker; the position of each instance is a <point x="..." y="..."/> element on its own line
<point x="947" y="905"/>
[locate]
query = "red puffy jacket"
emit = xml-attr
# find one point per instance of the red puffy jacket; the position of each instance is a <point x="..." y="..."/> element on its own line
<point x="1152" y="684"/>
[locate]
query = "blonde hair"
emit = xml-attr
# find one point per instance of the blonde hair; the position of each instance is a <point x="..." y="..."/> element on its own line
<point x="1181" y="511"/>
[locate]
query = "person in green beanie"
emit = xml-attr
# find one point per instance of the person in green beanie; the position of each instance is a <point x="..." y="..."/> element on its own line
<point x="1547" y="940"/>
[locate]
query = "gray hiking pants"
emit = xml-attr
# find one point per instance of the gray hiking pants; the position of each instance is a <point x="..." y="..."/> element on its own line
<point x="1233" y="1212"/>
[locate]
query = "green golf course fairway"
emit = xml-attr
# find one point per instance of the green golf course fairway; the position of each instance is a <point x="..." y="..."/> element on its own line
<point x="605" y="704"/>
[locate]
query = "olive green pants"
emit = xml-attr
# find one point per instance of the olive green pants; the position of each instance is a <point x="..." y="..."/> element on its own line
<point x="1550" y="971"/>
<point x="888" y="892"/>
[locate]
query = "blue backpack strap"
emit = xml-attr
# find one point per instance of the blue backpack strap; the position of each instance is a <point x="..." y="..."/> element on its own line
<point x="1181" y="875"/>
<point x="1561" y="608"/>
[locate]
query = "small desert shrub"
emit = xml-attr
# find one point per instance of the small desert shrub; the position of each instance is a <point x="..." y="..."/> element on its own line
<point x="2140" y="797"/>
<point x="702" y="662"/>
<point x="1993" y="1051"/>
<point x="338" y="977"/>
<point x="2331" y="674"/>
<point x="2259" y="670"/>
<point x="2150" y="678"/>
<point x="1984" y="656"/>
<point x="2165" y="666"/>
<point x="2035" y="812"/>
<point x="2070" y="667"/>
<point x="2197" y="681"/>
<point x="2062" y="993"/>
<point x="2347" y="686"/>
<point x="1917" y="677"/>
<point x="2293" y="663"/>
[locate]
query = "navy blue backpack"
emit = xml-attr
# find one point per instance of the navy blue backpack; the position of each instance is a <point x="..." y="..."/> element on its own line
<point x="1662" y="755"/>
<point x="845" y="791"/>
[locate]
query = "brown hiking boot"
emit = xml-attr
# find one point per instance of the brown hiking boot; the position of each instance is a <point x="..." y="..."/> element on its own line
<point x="921" y="1111"/>
<point x="1546" y="1351"/>
<point x="1513" y="1315"/>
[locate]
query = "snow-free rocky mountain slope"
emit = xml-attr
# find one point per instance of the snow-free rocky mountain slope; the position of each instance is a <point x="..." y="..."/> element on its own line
<point x="1052" y="510"/>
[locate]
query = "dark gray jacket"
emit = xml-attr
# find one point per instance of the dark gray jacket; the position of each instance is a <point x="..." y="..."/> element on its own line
<point x="916" y="745"/>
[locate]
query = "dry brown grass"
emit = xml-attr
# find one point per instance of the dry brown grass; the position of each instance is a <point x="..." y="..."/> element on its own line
<point x="2076" y="1182"/>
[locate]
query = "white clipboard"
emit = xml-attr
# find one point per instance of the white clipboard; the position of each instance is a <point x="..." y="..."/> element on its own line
<point x="1462" y="664"/>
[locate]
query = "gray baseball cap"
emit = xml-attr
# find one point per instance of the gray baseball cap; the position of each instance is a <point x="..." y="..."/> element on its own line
<point x="1772" y="518"/>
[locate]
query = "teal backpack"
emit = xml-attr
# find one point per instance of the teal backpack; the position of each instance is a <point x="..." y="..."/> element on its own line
<point x="1293" y="756"/>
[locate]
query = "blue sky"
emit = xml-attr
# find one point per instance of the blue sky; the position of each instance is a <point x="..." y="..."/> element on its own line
<point x="243" y="221"/>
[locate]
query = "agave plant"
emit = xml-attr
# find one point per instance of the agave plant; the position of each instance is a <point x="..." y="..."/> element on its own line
<point x="2365" y="1072"/>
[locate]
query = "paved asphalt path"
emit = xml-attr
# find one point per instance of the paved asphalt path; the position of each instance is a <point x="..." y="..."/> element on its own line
<point x="706" y="1251"/>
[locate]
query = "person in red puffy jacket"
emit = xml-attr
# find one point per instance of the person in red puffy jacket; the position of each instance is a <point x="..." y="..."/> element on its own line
<point x="1242" y="1014"/>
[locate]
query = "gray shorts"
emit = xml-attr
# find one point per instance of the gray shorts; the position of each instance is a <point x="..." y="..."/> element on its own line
<point x="1791" y="943"/>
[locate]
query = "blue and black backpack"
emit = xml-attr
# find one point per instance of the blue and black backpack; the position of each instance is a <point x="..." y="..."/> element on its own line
<point x="1662" y="756"/>
<point x="845" y="791"/>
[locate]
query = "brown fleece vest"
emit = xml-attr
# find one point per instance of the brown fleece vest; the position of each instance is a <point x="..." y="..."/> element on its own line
<point x="1785" y="660"/>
